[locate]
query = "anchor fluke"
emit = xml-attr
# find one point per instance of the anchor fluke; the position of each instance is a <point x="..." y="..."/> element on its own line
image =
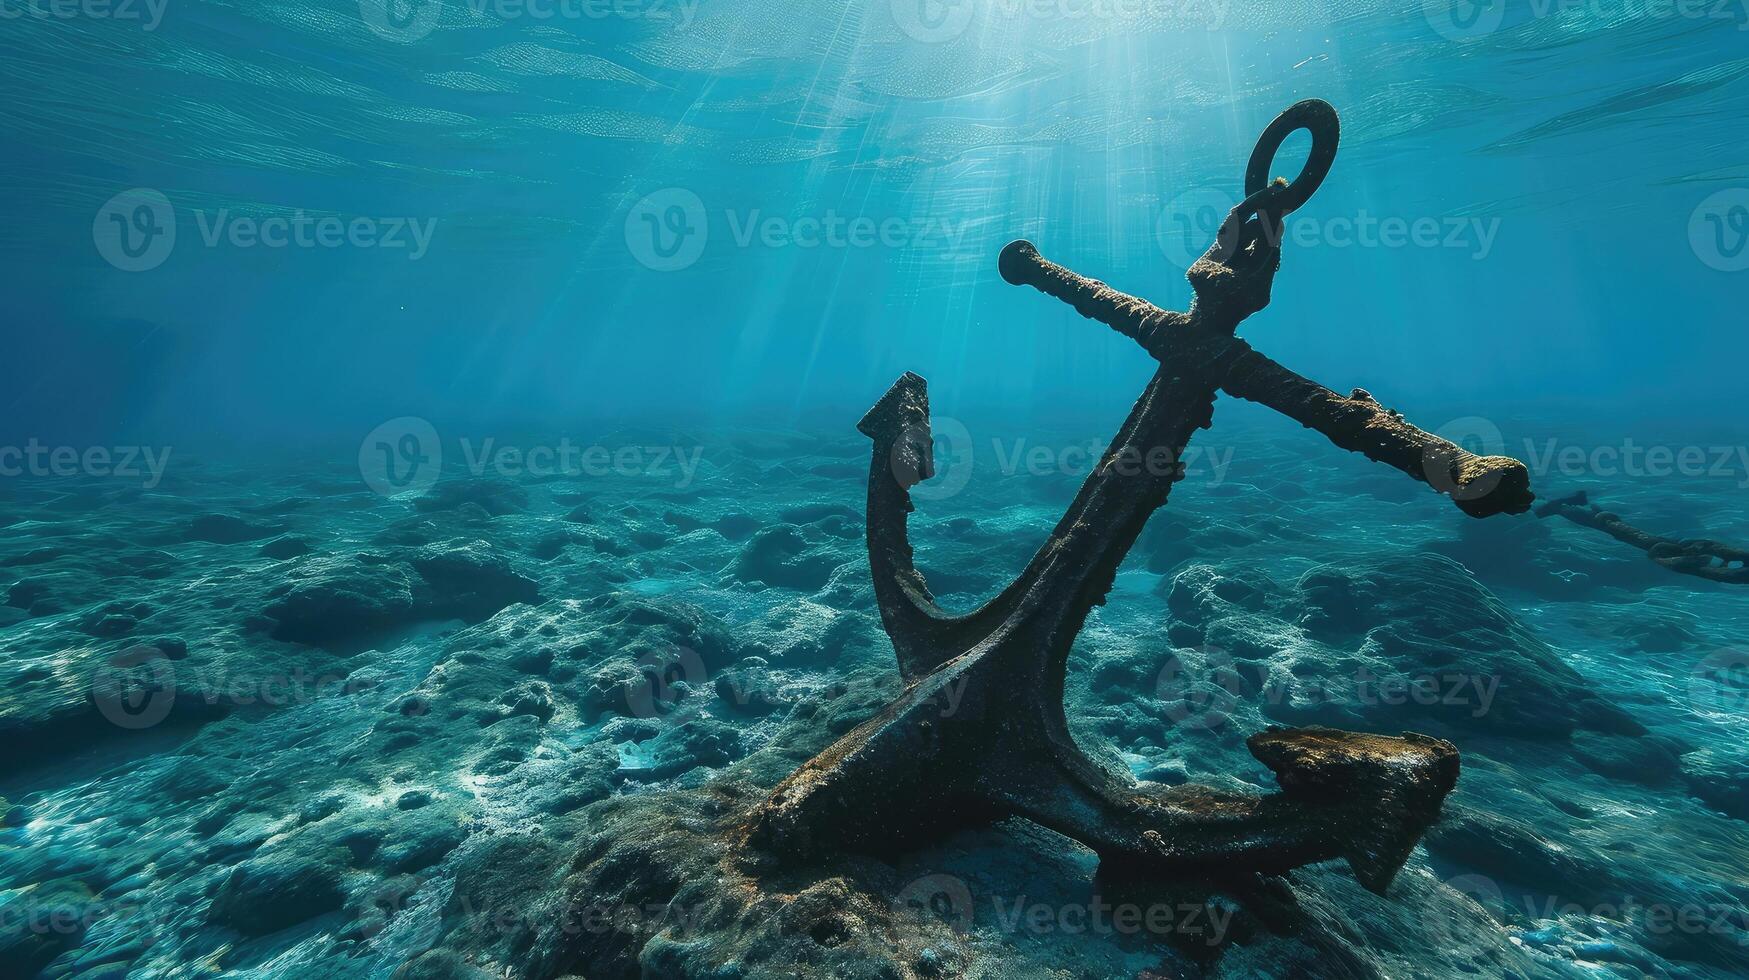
<point x="1397" y="784"/>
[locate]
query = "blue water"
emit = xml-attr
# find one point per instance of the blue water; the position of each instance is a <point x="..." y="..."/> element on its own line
<point x="1562" y="157"/>
<point x="493" y="360"/>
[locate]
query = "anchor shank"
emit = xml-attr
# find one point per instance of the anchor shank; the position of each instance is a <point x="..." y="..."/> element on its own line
<point x="1074" y="570"/>
<point x="1481" y="486"/>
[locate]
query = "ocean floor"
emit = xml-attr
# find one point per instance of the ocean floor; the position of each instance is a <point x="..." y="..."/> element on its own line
<point x="261" y="720"/>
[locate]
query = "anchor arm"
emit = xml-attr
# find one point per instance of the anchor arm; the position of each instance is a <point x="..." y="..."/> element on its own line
<point x="1362" y="798"/>
<point x="924" y="635"/>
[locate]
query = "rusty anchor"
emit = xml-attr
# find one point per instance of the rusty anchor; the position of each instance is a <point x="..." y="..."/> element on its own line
<point x="919" y="770"/>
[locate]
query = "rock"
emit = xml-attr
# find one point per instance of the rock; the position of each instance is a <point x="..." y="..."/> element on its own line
<point x="701" y="742"/>
<point x="115" y="618"/>
<point x="331" y="598"/>
<point x="40" y="924"/>
<point x="781" y="556"/>
<point x="1412" y="642"/>
<point x="441" y="964"/>
<point x="285" y="547"/>
<point x="1640" y="759"/>
<point x="1719" y="776"/>
<point x="280" y="887"/>
<point x="225" y="529"/>
<point x="494" y="497"/>
<point x="471" y="581"/>
<point x="418" y="839"/>
<point x="752" y="690"/>
<point x="1507" y="849"/>
<point x="412" y="799"/>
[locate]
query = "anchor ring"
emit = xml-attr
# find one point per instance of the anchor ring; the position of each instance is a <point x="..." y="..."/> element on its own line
<point x="1315" y="116"/>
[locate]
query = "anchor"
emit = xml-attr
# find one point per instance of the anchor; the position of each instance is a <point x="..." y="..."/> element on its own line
<point x="929" y="764"/>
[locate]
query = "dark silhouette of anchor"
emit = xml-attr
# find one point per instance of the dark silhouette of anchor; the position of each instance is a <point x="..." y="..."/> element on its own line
<point x="929" y="764"/>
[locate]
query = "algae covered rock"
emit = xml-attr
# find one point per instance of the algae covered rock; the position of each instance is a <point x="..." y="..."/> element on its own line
<point x="281" y="887"/>
<point x="1378" y="644"/>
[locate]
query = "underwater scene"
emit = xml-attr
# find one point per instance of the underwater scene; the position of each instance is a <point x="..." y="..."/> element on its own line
<point x="556" y="489"/>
